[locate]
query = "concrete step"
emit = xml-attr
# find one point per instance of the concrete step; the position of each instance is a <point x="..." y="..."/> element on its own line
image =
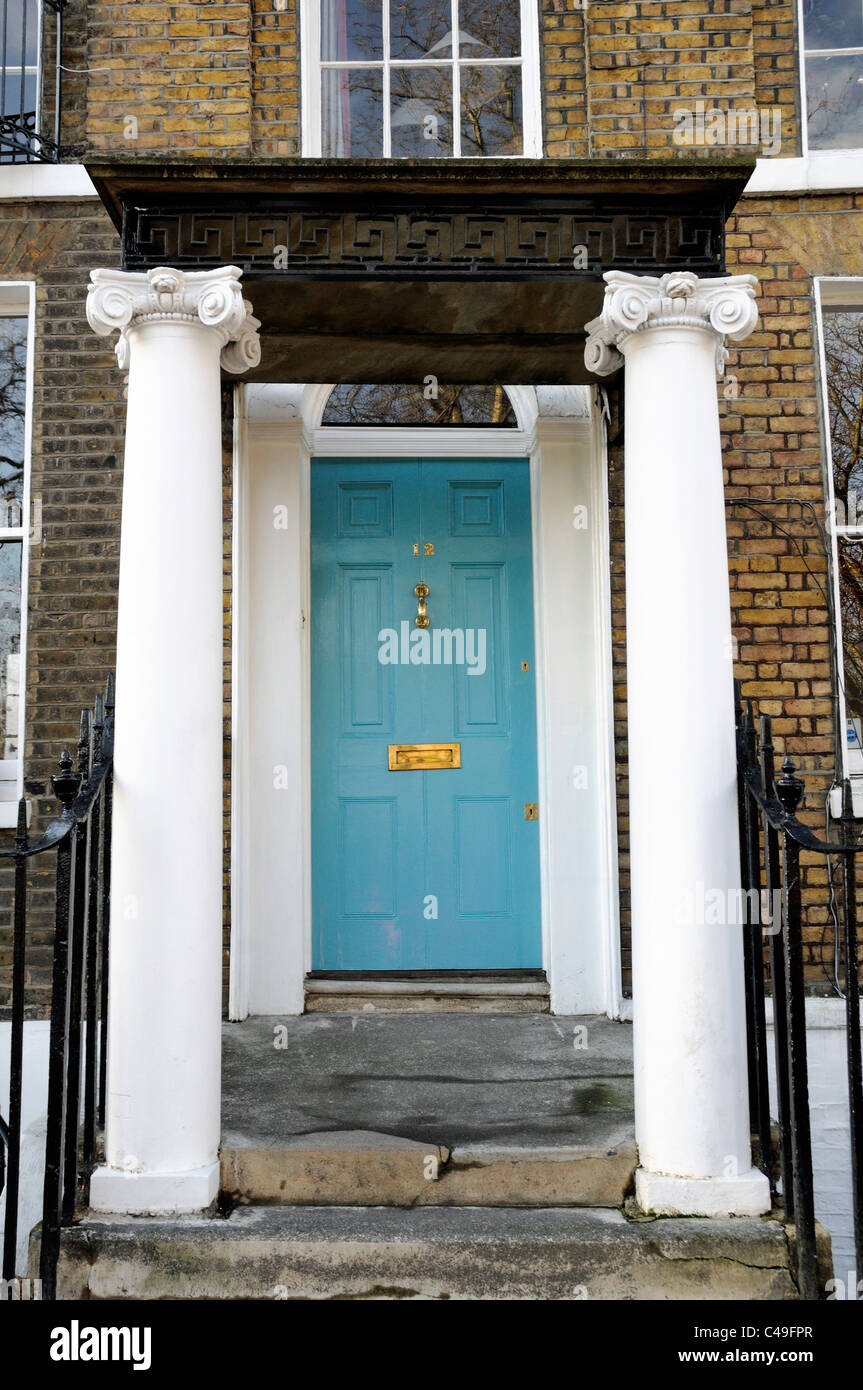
<point x="427" y="996"/>
<point x="432" y="1253"/>
<point x="361" y="1168"/>
<point x="349" y="1109"/>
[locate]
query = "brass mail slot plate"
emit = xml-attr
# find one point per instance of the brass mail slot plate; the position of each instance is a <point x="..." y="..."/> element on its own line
<point x="423" y="757"/>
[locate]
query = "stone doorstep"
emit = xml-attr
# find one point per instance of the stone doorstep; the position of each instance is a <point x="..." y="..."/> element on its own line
<point x="426" y="996"/>
<point x="360" y="1168"/>
<point x="432" y="1253"/>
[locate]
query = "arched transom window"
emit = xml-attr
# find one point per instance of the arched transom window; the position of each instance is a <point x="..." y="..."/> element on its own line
<point x="420" y="79"/>
<point x="429" y="404"/>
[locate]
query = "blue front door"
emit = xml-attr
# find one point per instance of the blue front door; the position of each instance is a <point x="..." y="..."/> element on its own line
<point x="423" y="869"/>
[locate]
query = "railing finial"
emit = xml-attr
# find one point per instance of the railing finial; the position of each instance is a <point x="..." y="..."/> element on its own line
<point x="66" y="782"/>
<point x="790" y="788"/>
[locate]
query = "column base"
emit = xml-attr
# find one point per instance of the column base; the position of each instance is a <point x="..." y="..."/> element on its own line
<point x="746" y="1195"/>
<point x="154" y="1194"/>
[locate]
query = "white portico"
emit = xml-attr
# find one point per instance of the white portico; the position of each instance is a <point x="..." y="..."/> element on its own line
<point x="164" y="1057"/>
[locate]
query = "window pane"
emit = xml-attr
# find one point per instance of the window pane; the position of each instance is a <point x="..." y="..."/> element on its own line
<point x="491" y="111"/>
<point x="22" y="31"/>
<point x="833" y="23"/>
<point x="489" y="30"/>
<point x="843" y="355"/>
<point x="352" y="114"/>
<point x="10" y="646"/>
<point x="422" y="113"/>
<point x="851" y="603"/>
<point x="834" y="102"/>
<point x="13" y="380"/>
<point x="420" y="29"/>
<point x="13" y="100"/>
<point x="351" y="30"/>
<point x="400" y="404"/>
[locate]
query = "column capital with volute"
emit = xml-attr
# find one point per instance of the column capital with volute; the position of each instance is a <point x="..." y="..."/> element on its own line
<point x="213" y="299"/>
<point x="724" y="306"/>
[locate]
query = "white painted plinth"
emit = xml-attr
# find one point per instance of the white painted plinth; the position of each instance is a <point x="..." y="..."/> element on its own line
<point x="746" y="1195"/>
<point x="689" y="1035"/>
<point x="164" y="1018"/>
<point x="154" y="1194"/>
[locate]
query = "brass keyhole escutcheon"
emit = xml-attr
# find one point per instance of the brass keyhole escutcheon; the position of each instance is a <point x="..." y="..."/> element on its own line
<point x="422" y="592"/>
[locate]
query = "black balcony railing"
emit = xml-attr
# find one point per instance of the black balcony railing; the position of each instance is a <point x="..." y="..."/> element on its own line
<point x="772" y="841"/>
<point x="81" y="839"/>
<point x="24" y="138"/>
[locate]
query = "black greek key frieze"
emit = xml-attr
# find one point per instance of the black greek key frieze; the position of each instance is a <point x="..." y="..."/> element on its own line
<point x="312" y="238"/>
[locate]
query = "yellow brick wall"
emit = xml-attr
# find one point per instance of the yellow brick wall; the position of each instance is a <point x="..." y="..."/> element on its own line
<point x="169" y="78"/>
<point x="275" y="79"/>
<point x="648" y="57"/>
<point x="563" y="77"/>
<point x="205" y="79"/>
<point x="774" y="37"/>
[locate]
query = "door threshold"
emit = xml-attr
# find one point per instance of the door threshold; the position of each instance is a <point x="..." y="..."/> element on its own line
<point x="446" y="991"/>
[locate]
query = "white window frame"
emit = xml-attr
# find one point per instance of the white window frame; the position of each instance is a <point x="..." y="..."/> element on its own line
<point x="802" y="55"/>
<point x="18" y="300"/>
<point x="14" y="70"/>
<point x="835" y="293"/>
<point x="311" y="67"/>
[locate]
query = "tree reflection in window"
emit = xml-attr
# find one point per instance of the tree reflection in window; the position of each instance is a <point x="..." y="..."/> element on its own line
<point x="399" y="404"/>
<point x="13" y="381"/>
<point x="833" y="43"/>
<point x="843" y="348"/>
<point x="399" y="79"/>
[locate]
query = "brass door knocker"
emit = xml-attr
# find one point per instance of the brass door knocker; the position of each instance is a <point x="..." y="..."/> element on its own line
<point x="422" y="592"/>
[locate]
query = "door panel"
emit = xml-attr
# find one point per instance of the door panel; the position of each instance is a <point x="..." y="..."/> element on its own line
<point x="423" y="870"/>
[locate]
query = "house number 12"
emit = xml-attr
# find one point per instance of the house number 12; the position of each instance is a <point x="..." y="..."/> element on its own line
<point x="428" y="548"/>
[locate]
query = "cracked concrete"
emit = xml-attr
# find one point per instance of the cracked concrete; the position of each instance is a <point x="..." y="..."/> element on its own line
<point x="349" y="1111"/>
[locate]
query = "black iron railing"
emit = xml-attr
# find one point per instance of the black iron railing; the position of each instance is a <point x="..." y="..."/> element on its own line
<point x="772" y="841"/>
<point x="23" y="140"/>
<point x="81" y="837"/>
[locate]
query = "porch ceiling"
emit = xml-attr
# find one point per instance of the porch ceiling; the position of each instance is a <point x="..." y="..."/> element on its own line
<point x="382" y="270"/>
<point x="481" y="332"/>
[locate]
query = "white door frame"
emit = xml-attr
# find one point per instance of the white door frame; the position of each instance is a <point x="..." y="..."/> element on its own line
<point x="277" y="433"/>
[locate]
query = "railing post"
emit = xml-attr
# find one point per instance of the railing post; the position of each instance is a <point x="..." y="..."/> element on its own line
<point x="16" y="1047"/>
<point x="108" y="750"/>
<point x="80" y="833"/>
<point x="789" y="789"/>
<point x="743" y="766"/>
<point x="753" y="959"/>
<point x="852" y="1016"/>
<point x="65" y="787"/>
<point x="91" y="1005"/>
<point x="773" y="886"/>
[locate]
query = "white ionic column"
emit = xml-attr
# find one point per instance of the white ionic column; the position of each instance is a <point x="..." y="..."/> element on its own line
<point x="691" y="1107"/>
<point x="164" y="1084"/>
